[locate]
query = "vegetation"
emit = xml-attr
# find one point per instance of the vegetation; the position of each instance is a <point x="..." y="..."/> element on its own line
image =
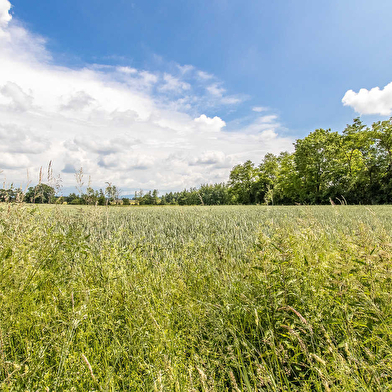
<point x="239" y="298"/>
<point x="217" y="194"/>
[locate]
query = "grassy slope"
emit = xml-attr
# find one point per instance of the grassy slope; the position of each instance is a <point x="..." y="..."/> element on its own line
<point x="195" y="298"/>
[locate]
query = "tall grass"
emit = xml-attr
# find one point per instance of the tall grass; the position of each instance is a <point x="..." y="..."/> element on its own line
<point x="195" y="298"/>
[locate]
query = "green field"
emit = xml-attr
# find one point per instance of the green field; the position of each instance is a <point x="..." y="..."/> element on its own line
<point x="239" y="298"/>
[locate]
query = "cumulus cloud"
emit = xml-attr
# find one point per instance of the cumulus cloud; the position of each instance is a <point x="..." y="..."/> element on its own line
<point x="69" y="168"/>
<point x="210" y="158"/>
<point x="78" y="101"/>
<point x="208" y="123"/>
<point x="374" y="101"/>
<point x="217" y="159"/>
<point x="104" y="147"/>
<point x="5" y="16"/>
<point x="12" y="161"/>
<point x="132" y="127"/>
<point x="19" y="140"/>
<point x="19" y="100"/>
<point x="127" y="162"/>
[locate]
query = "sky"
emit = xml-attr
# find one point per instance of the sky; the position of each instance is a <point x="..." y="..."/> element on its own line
<point x="171" y="94"/>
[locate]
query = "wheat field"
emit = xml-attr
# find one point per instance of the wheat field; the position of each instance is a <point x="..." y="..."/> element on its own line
<point x="236" y="298"/>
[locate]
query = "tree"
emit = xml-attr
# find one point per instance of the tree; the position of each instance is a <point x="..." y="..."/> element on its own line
<point x="73" y="198"/>
<point x="91" y="196"/>
<point x="268" y="172"/>
<point x="126" y="201"/>
<point x="146" y="199"/>
<point x="112" y="193"/>
<point x="242" y="182"/>
<point x="215" y="194"/>
<point x="11" y="194"/>
<point x="313" y="159"/>
<point x="354" y="143"/>
<point x="383" y="137"/>
<point x="155" y="197"/>
<point x="41" y="193"/>
<point x="287" y="183"/>
<point x="101" y="198"/>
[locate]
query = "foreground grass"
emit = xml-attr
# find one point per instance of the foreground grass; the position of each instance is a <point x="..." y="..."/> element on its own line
<point x="196" y="299"/>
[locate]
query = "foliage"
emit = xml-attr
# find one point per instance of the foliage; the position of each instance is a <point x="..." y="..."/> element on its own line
<point x="41" y="193"/>
<point x="355" y="166"/>
<point x="206" y="194"/>
<point x="11" y="194"/>
<point x="150" y="198"/>
<point x="243" y="180"/>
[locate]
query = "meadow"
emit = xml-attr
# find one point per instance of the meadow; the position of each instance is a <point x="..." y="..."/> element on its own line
<point x="236" y="298"/>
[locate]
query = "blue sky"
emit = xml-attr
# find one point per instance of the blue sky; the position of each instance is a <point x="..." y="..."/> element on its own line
<point x="294" y="60"/>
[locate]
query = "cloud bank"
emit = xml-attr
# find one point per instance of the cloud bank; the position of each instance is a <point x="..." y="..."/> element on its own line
<point x="132" y="127"/>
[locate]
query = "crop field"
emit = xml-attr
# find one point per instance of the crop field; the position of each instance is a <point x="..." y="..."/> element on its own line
<point x="237" y="298"/>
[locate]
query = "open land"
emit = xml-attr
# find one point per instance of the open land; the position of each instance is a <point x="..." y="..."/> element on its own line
<point x="236" y="298"/>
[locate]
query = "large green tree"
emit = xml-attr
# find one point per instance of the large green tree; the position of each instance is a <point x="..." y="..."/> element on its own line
<point x="243" y="182"/>
<point x="383" y="137"/>
<point x="41" y="193"/>
<point x="315" y="163"/>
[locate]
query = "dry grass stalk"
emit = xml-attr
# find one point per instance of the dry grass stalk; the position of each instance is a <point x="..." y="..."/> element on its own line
<point x="89" y="367"/>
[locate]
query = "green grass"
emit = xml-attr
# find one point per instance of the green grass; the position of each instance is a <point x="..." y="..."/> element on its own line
<point x="195" y="298"/>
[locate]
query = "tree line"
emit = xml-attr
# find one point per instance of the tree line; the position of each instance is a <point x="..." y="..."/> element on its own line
<point x="354" y="166"/>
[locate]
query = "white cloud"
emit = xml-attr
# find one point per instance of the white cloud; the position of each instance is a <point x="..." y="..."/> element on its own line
<point x="184" y="69"/>
<point x="268" y="119"/>
<point x="173" y="84"/>
<point x="18" y="140"/>
<point x="269" y="134"/>
<point x="259" y="109"/>
<point x="148" y="78"/>
<point x="12" y="161"/>
<point x="231" y="100"/>
<point x="215" y="159"/>
<point x="215" y="89"/>
<point x="204" y="75"/>
<point x="5" y="16"/>
<point x="103" y="147"/>
<point x="374" y="101"/>
<point x="217" y="92"/>
<point x="127" y="70"/>
<point x="119" y="123"/>
<point x="78" y="101"/>
<point x="261" y="124"/>
<point x="215" y="123"/>
<point x="19" y="100"/>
